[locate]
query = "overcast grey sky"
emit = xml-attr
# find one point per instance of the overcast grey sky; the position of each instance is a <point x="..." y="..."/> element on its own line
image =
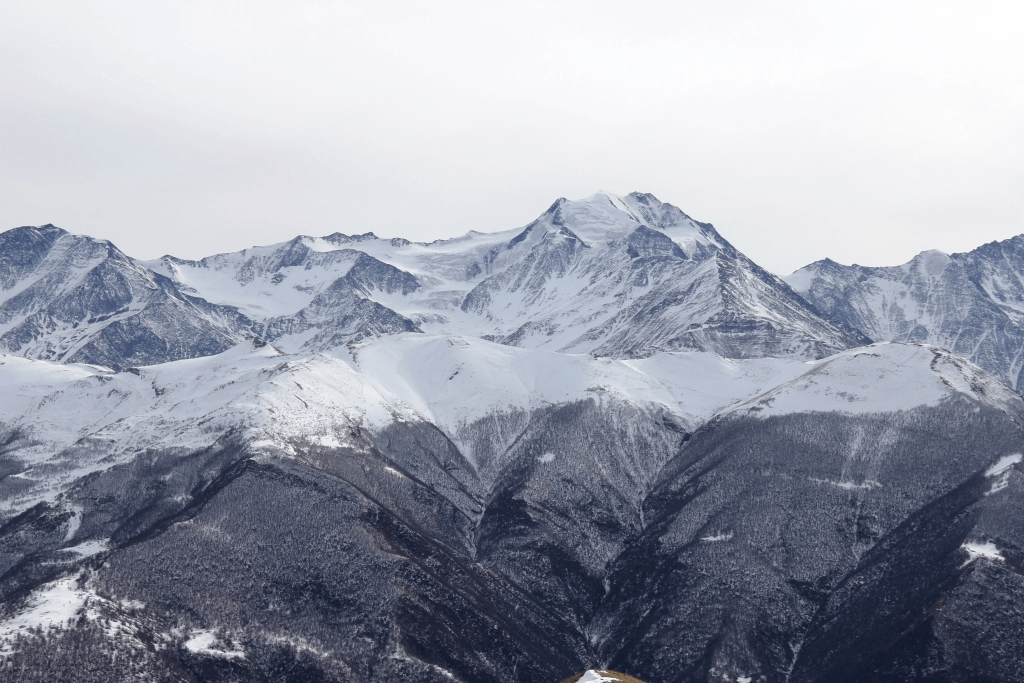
<point x="863" y="131"/>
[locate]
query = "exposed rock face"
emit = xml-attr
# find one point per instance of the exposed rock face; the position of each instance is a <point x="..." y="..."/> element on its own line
<point x="971" y="304"/>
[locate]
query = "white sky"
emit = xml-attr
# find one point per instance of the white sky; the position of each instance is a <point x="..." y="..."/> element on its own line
<point x="863" y="131"/>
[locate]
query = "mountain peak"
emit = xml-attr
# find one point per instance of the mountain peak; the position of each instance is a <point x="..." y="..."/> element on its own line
<point x="605" y="217"/>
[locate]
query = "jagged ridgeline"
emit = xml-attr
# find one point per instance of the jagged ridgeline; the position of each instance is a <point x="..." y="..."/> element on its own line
<point x="971" y="304"/>
<point x="604" y="442"/>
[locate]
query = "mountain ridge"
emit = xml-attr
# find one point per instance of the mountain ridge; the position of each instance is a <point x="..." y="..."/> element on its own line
<point x="606" y="439"/>
<point x="614" y="276"/>
<point x="971" y="303"/>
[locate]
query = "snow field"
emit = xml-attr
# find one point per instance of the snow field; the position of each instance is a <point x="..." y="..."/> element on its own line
<point x="595" y="676"/>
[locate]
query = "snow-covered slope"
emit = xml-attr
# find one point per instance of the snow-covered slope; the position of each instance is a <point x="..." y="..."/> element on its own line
<point x="882" y="378"/>
<point x="970" y="303"/>
<point x="61" y="422"/>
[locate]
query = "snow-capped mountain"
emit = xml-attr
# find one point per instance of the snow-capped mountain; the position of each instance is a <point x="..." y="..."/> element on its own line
<point x="75" y="299"/>
<point x="623" y="277"/>
<point x="971" y="303"/>
<point x="606" y="441"/>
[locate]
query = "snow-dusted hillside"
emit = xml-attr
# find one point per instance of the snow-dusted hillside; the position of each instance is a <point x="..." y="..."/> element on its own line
<point x="588" y="484"/>
<point x="970" y="303"/>
<point x="64" y="421"/>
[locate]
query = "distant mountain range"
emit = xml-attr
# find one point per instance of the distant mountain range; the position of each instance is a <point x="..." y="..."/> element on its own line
<point x="621" y="277"/>
<point x="971" y="304"/>
<point x="605" y="440"/>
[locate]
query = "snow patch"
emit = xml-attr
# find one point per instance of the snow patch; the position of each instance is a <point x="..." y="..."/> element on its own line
<point x="57" y="604"/>
<point x="999" y="484"/>
<point x="718" y="537"/>
<point x="207" y="643"/>
<point x="299" y="643"/>
<point x="88" y="548"/>
<point x="75" y="523"/>
<point x="1001" y="470"/>
<point x="1004" y="463"/>
<point x="51" y="605"/>
<point x="594" y="676"/>
<point x="400" y="654"/>
<point x="867" y="484"/>
<point x="987" y="550"/>
<point x="329" y="440"/>
<point x="546" y="458"/>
